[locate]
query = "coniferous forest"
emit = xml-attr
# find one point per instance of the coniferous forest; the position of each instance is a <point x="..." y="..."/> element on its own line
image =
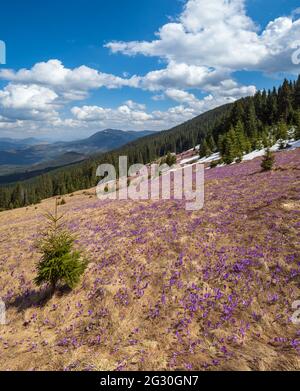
<point x="234" y="129"/>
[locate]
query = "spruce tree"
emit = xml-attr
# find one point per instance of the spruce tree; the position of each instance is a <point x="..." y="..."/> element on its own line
<point x="170" y="159"/>
<point x="297" y="94"/>
<point x="60" y="262"/>
<point x="251" y="121"/>
<point x="204" y="149"/>
<point x="241" y="142"/>
<point x="229" y="150"/>
<point x="237" y="113"/>
<point x="272" y="108"/>
<point x="282" y="133"/>
<point x="211" y="143"/>
<point x="285" y="101"/>
<point x="297" y="126"/>
<point x="268" y="161"/>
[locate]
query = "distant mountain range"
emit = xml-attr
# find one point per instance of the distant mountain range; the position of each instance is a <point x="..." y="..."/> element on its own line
<point x="30" y="154"/>
<point x="8" y="143"/>
<point x="102" y="141"/>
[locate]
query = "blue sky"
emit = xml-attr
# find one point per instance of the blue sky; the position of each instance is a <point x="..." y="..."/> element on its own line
<point x="132" y="77"/>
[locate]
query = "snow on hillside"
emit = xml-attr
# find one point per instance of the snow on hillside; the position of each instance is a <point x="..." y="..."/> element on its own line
<point x="295" y="144"/>
<point x="211" y="158"/>
<point x="250" y="156"/>
<point x="190" y="160"/>
<point x="274" y="148"/>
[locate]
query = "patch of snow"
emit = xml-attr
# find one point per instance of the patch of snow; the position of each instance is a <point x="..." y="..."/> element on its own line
<point x="295" y="144"/>
<point x="197" y="147"/>
<point x="190" y="159"/>
<point x="276" y="147"/>
<point x="211" y="158"/>
<point x="249" y="156"/>
<point x="254" y="154"/>
<point x="208" y="159"/>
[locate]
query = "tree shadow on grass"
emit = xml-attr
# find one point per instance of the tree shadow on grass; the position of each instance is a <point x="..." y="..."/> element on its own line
<point x="36" y="297"/>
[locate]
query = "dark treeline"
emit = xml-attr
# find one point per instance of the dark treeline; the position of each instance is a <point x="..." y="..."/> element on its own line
<point x="233" y="129"/>
<point x="257" y="122"/>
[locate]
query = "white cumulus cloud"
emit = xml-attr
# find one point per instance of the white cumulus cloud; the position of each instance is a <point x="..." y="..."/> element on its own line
<point x="198" y="52"/>
<point x="218" y="34"/>
<point x="72" y="84"/>
<point x="27" y="101"/>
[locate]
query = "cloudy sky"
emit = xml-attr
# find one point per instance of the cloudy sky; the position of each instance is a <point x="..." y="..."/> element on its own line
<point x="141" y="64"/>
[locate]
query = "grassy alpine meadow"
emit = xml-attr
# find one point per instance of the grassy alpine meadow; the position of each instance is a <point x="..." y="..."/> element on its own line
<point x="164" y="288"/>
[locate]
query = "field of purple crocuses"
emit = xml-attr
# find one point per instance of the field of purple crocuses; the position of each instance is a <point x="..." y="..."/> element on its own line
<point x="165" y="288"/>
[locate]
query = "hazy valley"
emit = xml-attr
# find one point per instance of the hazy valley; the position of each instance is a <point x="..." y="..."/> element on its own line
<point x="33" y="155"/>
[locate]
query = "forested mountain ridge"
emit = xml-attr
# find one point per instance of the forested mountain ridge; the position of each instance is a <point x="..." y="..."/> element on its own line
<point x="102" y="141"/>
<point x="233" y="129"/>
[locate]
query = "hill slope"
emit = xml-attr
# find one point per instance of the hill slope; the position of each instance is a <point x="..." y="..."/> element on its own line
<point x="233" y="130"/>
<point x="166" y="288"/>
<point x="83" y="175"/>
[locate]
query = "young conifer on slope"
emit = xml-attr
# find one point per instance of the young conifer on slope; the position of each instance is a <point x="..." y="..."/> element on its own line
<point x="268" y="161"/>
<point x="60" y="262"/>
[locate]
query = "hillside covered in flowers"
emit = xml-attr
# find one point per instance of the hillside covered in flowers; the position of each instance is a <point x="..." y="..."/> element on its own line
<point x="165" y="288"/>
